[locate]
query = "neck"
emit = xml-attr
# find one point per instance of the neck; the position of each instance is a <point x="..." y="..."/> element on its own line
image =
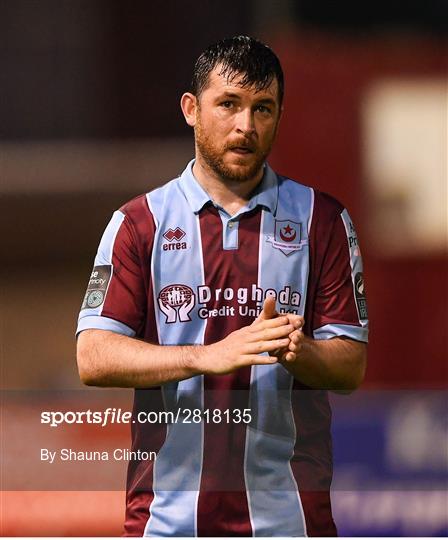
<point x="231" y="195"/>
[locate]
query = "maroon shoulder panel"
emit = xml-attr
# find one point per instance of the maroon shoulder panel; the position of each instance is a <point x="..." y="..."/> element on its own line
<point x="127" y="297"/>
<point x="330" y="298"/>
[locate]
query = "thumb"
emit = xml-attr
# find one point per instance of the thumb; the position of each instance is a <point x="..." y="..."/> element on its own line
<point x="269" y="311"/>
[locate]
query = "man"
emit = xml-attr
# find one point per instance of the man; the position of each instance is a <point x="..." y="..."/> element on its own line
<point x="237" y="293"/>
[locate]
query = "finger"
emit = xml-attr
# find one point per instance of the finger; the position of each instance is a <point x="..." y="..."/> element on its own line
<point x="259" y="347"/>
<point x="258" y="359"/>
<point x="268" y="311"/>
<point x="293" y="347"/>
<point x="268" y="334"/>
<point x="287" y="356"/>
<point x="271" y="323"/>
<point x="295" y="341"/>
<point x="290" y="357"/>
<point x="296" y="320"/>
<point x="295" y="336"/>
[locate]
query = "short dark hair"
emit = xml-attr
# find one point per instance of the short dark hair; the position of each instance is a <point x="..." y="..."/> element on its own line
<point x="239" y="55"/>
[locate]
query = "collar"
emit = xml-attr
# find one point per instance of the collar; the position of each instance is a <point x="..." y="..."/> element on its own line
<point x="266" y="193"/>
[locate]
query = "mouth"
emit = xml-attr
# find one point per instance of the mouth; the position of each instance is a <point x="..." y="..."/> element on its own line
<point x="241" y="150"/>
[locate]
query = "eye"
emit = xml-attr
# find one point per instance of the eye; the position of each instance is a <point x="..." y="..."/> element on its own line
<point x="263" y="109"/>
<point x="226" y="104"/>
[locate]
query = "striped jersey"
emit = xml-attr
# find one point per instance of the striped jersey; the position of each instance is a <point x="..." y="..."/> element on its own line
<point x="248" y="453"/>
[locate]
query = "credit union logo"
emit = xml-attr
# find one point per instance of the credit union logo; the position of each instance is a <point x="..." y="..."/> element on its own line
<point x="176" y="302"/>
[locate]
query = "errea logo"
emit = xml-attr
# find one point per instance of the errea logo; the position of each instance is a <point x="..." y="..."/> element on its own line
<point x="174" y="237"/>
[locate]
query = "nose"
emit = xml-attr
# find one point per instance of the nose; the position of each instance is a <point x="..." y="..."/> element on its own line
<point x="245" y="123"/>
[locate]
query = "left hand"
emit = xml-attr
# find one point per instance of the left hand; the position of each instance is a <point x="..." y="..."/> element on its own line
<point x="296" y="338"/>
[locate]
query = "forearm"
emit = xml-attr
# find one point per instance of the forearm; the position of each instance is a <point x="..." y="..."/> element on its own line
<point x="334" y="364"/>
<point x="109" y="359"/>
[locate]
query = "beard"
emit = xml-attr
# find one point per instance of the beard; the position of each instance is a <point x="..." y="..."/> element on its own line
<point x="242" y="169"/>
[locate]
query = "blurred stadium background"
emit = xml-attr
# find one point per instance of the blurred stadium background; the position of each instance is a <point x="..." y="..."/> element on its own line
<point x="89" y="118"/>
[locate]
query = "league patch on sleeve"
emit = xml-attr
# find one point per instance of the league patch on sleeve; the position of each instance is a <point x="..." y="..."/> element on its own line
<point x="97" y="287"/>
<point x="360" y="296"/>
<point x="356" y="269"/>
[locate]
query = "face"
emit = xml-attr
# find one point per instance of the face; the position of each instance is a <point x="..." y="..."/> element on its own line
<point x="235" y="127"/>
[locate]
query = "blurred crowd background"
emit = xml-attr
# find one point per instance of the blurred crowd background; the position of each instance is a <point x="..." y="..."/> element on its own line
<point x="90" y="117"/>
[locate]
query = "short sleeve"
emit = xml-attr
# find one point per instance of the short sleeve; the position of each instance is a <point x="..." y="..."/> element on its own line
<point x="115" y="299"/>
<point x="340" y="307"/>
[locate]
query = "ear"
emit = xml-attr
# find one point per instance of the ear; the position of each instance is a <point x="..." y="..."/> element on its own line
<point x="188" y="104"/>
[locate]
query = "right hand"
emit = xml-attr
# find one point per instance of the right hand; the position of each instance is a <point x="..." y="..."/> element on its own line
<point x="244" y="347"/>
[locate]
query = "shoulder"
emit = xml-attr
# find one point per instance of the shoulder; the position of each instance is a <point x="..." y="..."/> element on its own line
<point x="139" y="210"/>
<point x="324" y="207"/>
<point x="135" y="207"/>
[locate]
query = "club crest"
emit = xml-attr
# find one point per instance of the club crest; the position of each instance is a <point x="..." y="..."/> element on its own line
<point x="287" y="236"/>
